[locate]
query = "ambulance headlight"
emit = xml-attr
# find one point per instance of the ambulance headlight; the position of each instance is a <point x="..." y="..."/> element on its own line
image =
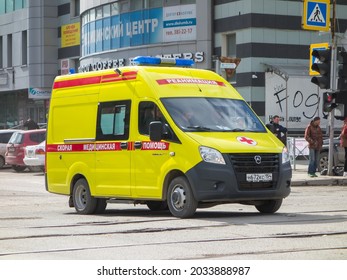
<point x="285" y="155"/>
<point x="211" y="155"/>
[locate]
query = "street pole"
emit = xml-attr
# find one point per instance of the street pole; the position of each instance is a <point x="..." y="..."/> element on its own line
<point x="333" y="88"/>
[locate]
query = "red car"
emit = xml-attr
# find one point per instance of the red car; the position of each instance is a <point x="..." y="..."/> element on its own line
<point x="15" y="149"/>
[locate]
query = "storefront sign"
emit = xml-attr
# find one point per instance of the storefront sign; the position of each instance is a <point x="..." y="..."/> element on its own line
<point x="115" y="63"/>
<point x="70" y="35"/>
<point x="144" y="27"/>
<point x="39" y="93"/>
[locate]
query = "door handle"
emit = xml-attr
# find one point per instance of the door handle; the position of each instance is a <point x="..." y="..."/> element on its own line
<point x="138" y="144"/>
<point x="124" y="145"/>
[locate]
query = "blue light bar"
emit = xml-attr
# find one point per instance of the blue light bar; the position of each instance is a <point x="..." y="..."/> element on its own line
<point x="147" y="60"/>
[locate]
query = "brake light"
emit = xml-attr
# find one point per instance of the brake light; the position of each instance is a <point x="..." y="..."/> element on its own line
<point x="40" y="151"/>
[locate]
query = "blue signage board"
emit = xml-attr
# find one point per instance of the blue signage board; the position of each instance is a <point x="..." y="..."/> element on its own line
<point x="316" y="15"/>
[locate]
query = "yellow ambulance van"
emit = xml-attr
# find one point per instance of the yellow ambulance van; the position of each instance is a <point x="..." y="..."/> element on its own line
<point x="175" y="138"/>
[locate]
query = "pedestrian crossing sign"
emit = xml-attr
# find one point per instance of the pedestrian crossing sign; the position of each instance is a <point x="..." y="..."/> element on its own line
<point x="316" y="15"/>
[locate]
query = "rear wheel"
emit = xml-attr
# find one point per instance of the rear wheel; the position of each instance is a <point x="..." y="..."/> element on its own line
<point x="180" y="198"/>
<point x="270" y="206"/>
<point x="2" y="162"/>
<point x="82" y="200"/>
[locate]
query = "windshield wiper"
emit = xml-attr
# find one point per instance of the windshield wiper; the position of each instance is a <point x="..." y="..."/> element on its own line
<point x="198" y="127"/>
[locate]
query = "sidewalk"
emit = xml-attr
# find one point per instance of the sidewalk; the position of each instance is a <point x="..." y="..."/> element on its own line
<point x="300" y="177"/>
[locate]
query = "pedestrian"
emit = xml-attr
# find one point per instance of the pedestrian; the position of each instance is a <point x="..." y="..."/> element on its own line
<point x="30" y="124"/>
<point x="314" y="137"/>
<point x="277" y="129"/>
<point x="343" y="143"/>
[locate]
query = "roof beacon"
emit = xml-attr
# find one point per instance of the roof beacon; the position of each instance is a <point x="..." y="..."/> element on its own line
<point x="147" y="60"/>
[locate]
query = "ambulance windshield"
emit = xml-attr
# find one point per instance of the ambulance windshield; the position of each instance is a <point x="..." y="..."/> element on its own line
<point x="212" y="114"/>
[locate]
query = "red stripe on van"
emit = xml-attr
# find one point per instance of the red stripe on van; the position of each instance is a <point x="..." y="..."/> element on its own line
<point x="86" y="147"/>
<point x="116" y="77"/>
<point x="190" y="81"/>
<point x="77" y="82"/>
<point x="131" y="75"/>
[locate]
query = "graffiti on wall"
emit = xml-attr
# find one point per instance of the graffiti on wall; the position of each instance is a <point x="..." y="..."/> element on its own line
<point x="297" y="101"/>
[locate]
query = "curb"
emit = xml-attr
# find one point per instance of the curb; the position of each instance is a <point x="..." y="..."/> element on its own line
<point x="320" y="182"/>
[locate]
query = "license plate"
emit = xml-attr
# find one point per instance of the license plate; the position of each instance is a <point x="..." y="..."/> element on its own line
<point x="259" y="177"/>
<point x="11" y="149"/>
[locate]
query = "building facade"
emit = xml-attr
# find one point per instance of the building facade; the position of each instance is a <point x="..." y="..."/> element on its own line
<point x="116" y="31"/>
<point x="44" y="38"/>
<point x="30" y="48"/>
<point x="273" y="75"/>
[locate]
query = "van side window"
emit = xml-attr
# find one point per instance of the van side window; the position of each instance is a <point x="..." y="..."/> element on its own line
<point x="113" y="120"/>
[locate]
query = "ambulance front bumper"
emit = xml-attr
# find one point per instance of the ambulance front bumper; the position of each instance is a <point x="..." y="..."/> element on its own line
<point x="215" y="182"/>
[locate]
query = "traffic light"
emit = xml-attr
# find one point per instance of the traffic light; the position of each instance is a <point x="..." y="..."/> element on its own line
<point x="323" y="67"/>
<point x="342" y="71"/>
<point x="329" y="101"/>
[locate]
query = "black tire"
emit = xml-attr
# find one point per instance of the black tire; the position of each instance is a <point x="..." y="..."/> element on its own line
<point x="100" y="206"/>
<point x="19" y="168"/>
<point x="180" y="198"/>
<point x="157" y="205"/>
<point x="2" y="162"/>
<point x="270" y="206"/>
<point x="83" y="202"/>
<point x="323" y="161"/>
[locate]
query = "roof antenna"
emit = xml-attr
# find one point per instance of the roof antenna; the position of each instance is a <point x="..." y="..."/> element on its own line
<point x="118" y="71"/>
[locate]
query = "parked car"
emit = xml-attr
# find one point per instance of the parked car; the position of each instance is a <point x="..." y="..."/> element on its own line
<point x="5" y="135"/>
<point x="35" y="155"/>
<point x="19" y="140"/>
<point x="339" y="154"/>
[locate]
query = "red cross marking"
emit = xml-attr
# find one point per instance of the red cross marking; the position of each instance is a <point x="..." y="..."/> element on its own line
<point x="246" y="140"/>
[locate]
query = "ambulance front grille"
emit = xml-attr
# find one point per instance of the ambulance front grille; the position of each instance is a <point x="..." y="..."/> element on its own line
<point x="249" y="164"/>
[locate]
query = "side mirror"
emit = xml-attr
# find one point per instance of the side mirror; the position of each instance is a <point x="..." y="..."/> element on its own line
<point x="155" y="131"/>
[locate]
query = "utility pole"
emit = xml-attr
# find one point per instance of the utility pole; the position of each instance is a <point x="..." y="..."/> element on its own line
<point x="333" y="89"/>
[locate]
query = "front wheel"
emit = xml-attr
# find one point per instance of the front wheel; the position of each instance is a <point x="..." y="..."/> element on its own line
<point x="157" y="205"/>
<point x="82" y="200"/>
<point x="180" y="198"/>
<point x="323" y="159"/>
<point x="270" y="206"/>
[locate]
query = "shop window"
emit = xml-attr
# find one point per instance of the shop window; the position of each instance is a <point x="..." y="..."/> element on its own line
<point x="185" y="2"/>
<point x="75" y="8"/>
<point x="19" y="4"/>
<point x="106" y="11"/>
<point x="98" y="13"/>
<point x="1" y="57"/>
<point x="155" y="3"/>
<point x="9" y="6"/>
<point x="2" y="7"/>
<point x="24" y="48"/>
<point x="124" y="6"/>
<point x="136" y="5"/>
<point x="115" y="9"/>
<point x="9" y="50"/>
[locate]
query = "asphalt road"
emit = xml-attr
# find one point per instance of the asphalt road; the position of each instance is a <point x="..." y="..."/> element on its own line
<point x="37" y="225"/>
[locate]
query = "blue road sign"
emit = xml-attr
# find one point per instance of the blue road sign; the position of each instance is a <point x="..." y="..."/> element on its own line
<point x="316" y="15"/>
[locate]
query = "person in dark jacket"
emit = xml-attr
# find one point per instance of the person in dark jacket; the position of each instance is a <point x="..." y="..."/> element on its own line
<point x="314" y="137"/>
<point x="30" y="124"/>
<point x="343" y="143"/>
<point x="277" y="129"/>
